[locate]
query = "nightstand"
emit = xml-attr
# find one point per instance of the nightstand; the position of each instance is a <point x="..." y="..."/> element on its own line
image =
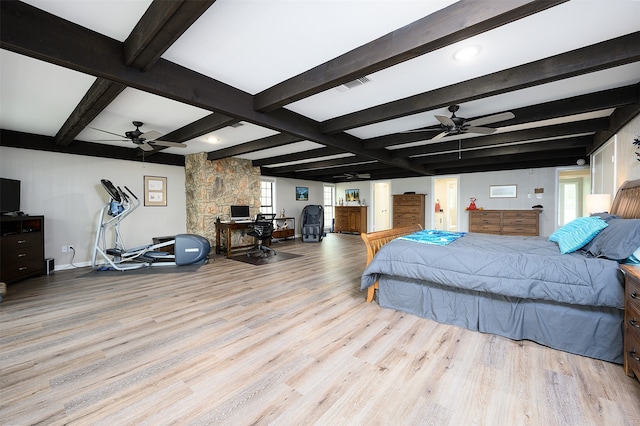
<point x="632" y="320"/>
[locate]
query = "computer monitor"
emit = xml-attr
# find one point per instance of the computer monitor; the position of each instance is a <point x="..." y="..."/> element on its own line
<point x="240" y="213"/>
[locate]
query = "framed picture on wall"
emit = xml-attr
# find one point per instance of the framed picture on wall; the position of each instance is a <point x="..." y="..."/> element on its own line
<point x="352" y="195"/>
<point x="302" y="193"/>
<point x="155" y="191"/>
<point x="503" y="191"/>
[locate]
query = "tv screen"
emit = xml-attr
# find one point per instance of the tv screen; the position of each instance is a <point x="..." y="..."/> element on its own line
<point x="9" y="195"/>
<point x="240" y="212"/>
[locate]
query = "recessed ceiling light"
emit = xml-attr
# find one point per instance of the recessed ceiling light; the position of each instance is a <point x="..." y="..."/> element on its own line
<point x="466" y="53"/>
<point x="212" y="139"/>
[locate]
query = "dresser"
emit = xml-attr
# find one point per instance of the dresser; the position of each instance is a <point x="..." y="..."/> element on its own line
<point x="22" y="247"/>
<point x="351" y="219"/>
<point x="408" y="209"/>
<point x="632" y="320"/>
<point x="505" y="222"/>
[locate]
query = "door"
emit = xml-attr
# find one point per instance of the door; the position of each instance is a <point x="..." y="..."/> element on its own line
<point x="381" y="203"/>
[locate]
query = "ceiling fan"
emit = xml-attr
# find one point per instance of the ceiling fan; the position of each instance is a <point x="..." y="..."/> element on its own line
<point x="350" y="176"/>
<point x="455" y="125"/>
<point x="147" y="140"/>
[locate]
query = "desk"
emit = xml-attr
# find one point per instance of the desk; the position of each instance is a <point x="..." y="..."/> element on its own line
<point x="229" y="227"/>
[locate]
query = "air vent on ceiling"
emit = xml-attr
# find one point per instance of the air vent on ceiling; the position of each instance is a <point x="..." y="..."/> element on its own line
<point x="355" y="83"/>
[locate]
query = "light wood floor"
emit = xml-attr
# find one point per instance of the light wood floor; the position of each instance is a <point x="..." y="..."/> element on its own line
<point x="291" y="343"/>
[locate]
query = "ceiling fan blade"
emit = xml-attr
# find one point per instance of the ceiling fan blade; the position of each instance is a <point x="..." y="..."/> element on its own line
<point x="422" y="130"/>
<point x="167" y="143"/>
<point x="364" y="175"/>
<point x="481" y="130"/>
<point x="111" y="133"/>
<point x="440" y="135"/>
<point x="145" y="146"/>
<point x="503" y="116"/>
<point x="151" y="135"/>
<point x="446" y="121"/>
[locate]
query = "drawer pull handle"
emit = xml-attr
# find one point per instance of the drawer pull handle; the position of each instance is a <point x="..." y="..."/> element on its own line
<point x="22" y="254"/>
<point x="633" y="355"/>
<point x="22" y="241"/>
<point x="22" y="268"/>
<point x="634" y="296"/>
<point x="634" y="323"/>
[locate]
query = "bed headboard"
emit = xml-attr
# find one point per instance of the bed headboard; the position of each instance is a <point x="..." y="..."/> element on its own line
<point x="626" y="204"/>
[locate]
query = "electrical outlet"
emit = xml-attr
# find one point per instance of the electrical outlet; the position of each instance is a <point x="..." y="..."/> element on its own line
<point x="72" y="248"/>
<point x="64" y="249"/>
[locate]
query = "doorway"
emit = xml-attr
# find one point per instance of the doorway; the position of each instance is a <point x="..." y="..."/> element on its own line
<point x="573" y="186"/>
<point x="445" y="196"/>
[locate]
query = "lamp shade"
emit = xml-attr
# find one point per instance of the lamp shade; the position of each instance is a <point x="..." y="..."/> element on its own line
<point x="597" y="203"/>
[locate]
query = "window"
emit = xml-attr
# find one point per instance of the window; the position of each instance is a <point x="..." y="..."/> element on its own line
<point x="329" y="202"/>
<point x="266" y="196"/>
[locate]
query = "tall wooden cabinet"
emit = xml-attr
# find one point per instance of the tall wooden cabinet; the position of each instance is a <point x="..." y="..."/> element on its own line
<point x="408" y="209"/>
<point x="22" y="247"/>
<point x="351" y="219"/>
<point x="505" y="222"/>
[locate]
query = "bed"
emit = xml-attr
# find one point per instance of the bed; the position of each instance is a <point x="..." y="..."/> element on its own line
<point x="516" y="287"/>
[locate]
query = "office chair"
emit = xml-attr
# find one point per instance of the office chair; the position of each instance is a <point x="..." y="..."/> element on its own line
<point x="262" y="229"/>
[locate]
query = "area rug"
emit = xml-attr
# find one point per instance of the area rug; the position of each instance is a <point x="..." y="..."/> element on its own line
<point x="264" y="260"/>
<point x="149" y="270"/>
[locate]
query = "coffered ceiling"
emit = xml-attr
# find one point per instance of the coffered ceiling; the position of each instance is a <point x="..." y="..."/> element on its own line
<point x="322" y="90"/>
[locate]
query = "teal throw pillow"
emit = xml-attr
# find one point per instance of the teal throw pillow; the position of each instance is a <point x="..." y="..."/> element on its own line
<point x="577" y="233"/>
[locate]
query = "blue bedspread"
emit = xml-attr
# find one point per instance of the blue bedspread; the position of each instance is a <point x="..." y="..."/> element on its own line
<point x="521" y="267"/>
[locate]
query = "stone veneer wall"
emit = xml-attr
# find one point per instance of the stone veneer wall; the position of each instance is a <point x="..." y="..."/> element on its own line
<point x="212" y="187"/>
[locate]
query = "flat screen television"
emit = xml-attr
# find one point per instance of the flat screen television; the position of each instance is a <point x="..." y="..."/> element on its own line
<point x="9" y="195"/>
<point x="240" y="213"/>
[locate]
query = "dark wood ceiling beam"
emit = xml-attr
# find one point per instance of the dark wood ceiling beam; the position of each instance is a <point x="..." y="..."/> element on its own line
<point x="208" y="124"/>
<point x="590" y="102"/>
<point x="101" y="93"/>
<point x="23" y="27"/>
<point x="322" y="164"/>
<point x="611" y="53"/>
<point x="452" y="24"/>
<point x="509" y="162"/>
<point x="159" y="27"/>
<point x="579" y="142"/>
<point x="46" y="143"/>
<point x="555" y="131"/>
<point x="618" y="119"/>
<point x="298" y="156"/>
<point x="272" y="141"/>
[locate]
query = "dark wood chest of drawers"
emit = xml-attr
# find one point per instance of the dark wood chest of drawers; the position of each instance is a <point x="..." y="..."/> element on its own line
<point x="632" y="320"/>
<point x="22" y="247"/>
<point x="505" y="222"/>
<point x="408" y="209"/>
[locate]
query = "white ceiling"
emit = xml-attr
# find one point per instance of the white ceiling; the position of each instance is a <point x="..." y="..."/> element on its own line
<point x="255" y="44"/>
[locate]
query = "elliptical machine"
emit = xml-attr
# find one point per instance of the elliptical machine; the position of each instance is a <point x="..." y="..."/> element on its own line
<point x="188" y="248"/>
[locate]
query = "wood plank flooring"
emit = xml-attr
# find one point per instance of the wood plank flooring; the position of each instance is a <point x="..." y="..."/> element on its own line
<point x="289" y="343"/>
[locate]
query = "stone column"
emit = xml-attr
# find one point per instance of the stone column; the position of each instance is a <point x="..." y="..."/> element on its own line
<point x="212" y="187"/>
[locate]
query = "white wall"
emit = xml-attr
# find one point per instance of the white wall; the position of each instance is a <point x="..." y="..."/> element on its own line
<point x="285" y="197"/>
<point x="66" y="189"/>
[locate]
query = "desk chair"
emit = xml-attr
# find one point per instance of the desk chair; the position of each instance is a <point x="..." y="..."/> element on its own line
<point x="262" y="229"/>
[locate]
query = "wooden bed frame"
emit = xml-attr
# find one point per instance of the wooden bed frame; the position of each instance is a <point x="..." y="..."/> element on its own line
<point x="375" y="240"/>
<point x="626" y="204"/>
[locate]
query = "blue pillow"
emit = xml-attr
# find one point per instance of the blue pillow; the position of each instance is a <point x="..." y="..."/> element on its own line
<point x="575" y="234"/>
